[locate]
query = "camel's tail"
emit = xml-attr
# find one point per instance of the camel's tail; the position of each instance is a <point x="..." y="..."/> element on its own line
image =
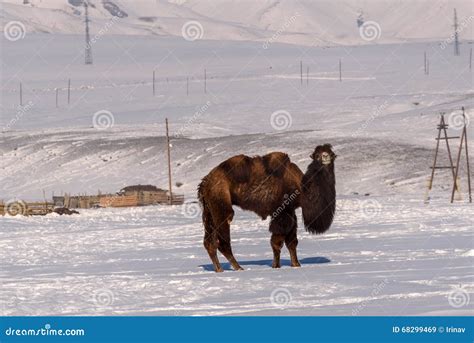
<point x="206" y="213"/>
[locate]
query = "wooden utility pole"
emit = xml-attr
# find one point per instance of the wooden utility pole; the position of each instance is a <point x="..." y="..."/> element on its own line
<point x="45" y="202"/>
<point x="340" y="70"/>
<point x="57" y="94"/>
<point x="456" y="36"/>
<point x="470" y="59"/>
<point x="442" y="127"/>
<point x="425" y="65"/>
<point x="169" y="162"/>
<point x="467" y="163"/>
<point x="88" y="50"/>
<point x="301" y="72"/>
<point x="21" y="95"/>
<point x="153" y="83"/>
<point x="307" y="75"/>
<point x="68" y="91"/>
<point x="463" y="140"/>
<point x="205" y="82"/>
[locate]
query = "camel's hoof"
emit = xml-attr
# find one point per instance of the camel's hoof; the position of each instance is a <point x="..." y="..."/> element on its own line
<point x="219" y="270"/>
<point x="274" y="265"/>
<point x="239" y="268"/>
<point x="297" y="264"/>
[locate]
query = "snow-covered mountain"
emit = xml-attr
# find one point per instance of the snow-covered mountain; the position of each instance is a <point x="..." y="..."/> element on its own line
<point x="298" y="22"/>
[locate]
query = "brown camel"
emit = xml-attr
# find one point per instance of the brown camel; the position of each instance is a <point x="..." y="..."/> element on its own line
<point x="269" y="185"/>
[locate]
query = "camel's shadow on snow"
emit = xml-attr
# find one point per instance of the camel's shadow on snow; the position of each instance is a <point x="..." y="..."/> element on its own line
<point x="284" y="263"/>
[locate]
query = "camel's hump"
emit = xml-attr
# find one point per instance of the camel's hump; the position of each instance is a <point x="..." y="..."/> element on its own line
<point x="276" y="163"/>
<point x="277" y="157"/>
<point x="239" y="167"/>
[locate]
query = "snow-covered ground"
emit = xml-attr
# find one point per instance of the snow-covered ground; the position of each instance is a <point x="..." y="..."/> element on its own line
<point x="387" y="253"/>
<point x="382" y="256"/>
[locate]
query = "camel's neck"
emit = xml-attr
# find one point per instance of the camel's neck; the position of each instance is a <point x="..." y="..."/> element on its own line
<point x="318" y="201"/>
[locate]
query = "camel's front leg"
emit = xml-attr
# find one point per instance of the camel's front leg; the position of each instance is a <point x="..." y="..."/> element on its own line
<point x="277" y="243"/>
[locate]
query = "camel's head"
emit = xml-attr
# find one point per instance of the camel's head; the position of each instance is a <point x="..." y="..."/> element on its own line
<point x="324" y="154"/>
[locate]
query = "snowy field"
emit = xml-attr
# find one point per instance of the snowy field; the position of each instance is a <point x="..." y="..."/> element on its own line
<point x="382" y="256"/>
<point x="387" y="252"/>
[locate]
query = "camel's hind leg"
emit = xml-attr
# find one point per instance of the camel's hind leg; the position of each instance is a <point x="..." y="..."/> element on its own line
<point x="222" y="216"/>
<point x="224" y="243"/>
<point x="210" y="243"/>
<point x="210" y="239"/>
<point x="217" y="233"/>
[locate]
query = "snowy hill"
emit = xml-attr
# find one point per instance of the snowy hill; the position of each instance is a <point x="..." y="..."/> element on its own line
<point x="370" y="109"/>
<point x="304" y="22"/>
